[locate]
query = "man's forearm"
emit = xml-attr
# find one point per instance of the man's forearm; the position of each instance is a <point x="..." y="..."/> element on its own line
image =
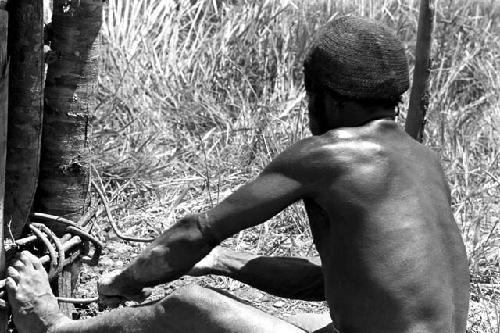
<point x="170" y="256"/>
<point x="289" y="277"/>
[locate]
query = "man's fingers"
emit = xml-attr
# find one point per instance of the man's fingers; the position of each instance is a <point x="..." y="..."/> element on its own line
<point x="114" y="301"/>
<point x="33" y="260"/>
<point x="3" y="303"/>
<point x="18" y="264"/>
<point x="112" y="296"/>
<point x="10" y="284"/>
<point x="2" y="283"/>
<point x="26" y="259"/>
<point x="141" y="297"/>
<point x="13" y="273"/>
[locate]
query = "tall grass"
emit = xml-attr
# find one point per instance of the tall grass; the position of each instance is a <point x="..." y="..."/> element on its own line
<point x="202" y="94"/>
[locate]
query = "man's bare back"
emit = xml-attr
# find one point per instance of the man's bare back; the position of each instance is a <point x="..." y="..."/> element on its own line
<point x="392" y="255"/>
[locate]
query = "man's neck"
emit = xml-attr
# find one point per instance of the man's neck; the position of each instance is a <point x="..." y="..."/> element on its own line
<point x="377" y="118"/>
<point x="356" y="114"/>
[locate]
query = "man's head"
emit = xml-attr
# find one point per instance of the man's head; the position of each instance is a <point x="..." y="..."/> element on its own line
<point x="355" y="72"/>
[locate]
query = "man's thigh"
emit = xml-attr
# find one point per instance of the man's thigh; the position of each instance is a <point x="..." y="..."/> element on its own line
<point x="197" y="309"/>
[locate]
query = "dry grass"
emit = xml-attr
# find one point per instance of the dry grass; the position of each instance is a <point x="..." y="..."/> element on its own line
<point x="201" y="96"/>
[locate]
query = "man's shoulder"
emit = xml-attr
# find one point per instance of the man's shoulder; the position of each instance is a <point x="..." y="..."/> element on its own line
<point x="381" y="137"/>
<point x="351" y="146"/>
<point x="313" y="147"/>
<point x="321" y="148"/>
<point x="333" y="139"/>
<point x="314" y="155"/>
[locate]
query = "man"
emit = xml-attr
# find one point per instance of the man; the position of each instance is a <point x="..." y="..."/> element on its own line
<point x="392" y="259"/>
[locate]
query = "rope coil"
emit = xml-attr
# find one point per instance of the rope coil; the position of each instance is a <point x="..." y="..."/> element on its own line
<point x="60" y="252"/>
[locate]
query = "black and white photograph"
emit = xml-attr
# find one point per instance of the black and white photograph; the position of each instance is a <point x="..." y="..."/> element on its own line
<point x="250" y="166"/>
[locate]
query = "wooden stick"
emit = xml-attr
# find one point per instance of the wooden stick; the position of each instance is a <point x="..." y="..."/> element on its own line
<point x="112" y="220"/>
<point x="4" y="95"/>
<point x="419" y="96"/>
<point x="77" y="300"/>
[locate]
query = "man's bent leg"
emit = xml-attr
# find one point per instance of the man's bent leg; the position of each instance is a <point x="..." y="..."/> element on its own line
<point x="189" y="309"/>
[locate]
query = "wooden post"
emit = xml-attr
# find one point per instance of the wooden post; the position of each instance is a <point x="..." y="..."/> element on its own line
<point x="25" y="109"/>
<point x="4" y="95"/>
<point x="419" y="96"/>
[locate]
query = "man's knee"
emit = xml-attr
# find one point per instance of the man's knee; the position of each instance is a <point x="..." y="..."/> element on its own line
<point x="204" y="300"/>
<point x="193" y="295"/>
<point x="191" y="291"/>
<point x="199" y="304"/>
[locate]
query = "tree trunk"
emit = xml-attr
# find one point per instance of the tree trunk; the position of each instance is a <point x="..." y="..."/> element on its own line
<point x="70" y="90"/>
<point x="69" y="96"/>
<point x="4" y="96"/>
<point x="25" y="110"/>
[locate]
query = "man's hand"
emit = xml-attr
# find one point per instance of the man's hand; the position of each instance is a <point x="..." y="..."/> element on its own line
<point x="112" y="294"/>
<point x="3" y="302"/>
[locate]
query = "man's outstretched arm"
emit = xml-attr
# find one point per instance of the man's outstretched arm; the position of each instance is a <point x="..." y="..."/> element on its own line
<point x="289" y="277"/>
<point x="169" y="257"/>
<point x="290" y="177"/>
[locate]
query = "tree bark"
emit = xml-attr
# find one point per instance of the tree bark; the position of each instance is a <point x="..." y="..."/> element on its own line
<point x="4" y="96"/>
<point x="419" y="95"/>
<point x="25" y="110"/>
<point x="70" y="89"/>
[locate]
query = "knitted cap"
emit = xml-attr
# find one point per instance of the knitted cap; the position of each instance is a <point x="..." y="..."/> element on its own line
<point x="359" y="58"/>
